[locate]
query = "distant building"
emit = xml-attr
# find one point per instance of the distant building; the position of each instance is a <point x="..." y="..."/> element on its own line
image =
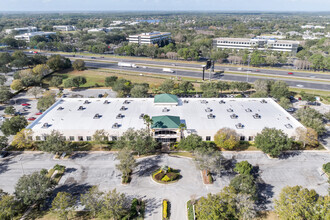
<point x="104" y="29"/>
<point x="27" y="36"/>
<point x="64" y="28"/>
<point x="22" y="30"/>
<point x="150" y="38"/>
<point x="256" y="44"/>
<point x="115" y="23"/>
<point x="309" y="26"/>
<point x="78" y="119"/>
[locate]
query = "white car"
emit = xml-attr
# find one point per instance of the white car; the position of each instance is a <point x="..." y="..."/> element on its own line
<point x="299" y="85"/>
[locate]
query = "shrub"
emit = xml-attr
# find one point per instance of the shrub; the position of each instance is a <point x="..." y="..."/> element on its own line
<point x="59" y="167"/>
<point x="172" y="176"/>
<point x="159" y="176"/>
<point x="210" y="177"/>
<point x="166" y="178"/>
<point x="326" y="167"/>
<point x="243" y="167"/>
<point x="44" y="172"/>
<point x="165" y="216"/>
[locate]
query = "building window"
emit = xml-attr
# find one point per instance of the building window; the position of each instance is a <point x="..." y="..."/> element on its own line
<point x="71" y="138"/>
<point x="114" y="138"/>
<point x="208" y="138"/>
<point x="242" y="138"/>
<point x="250" y="138"/>
<point x="38" y="138"/>
<point x="88" y="138"/>
<point x="80" y="138"/>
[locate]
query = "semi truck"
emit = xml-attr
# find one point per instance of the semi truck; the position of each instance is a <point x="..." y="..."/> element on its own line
<point x="122" y="64"/>
<point x="168" y="70"/>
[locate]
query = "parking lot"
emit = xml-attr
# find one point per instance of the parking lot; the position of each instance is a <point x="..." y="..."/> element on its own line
<point x="86" y="169"/>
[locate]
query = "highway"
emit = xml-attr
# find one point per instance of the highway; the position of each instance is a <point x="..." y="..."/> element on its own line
<point x="198" y="74"/>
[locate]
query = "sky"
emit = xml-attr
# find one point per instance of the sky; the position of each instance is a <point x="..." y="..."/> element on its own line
<point x="165" y="5"/>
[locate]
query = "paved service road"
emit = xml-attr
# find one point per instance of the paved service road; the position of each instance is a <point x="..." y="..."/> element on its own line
<point x="226" y="76"/>
<point x="98" y="168"/>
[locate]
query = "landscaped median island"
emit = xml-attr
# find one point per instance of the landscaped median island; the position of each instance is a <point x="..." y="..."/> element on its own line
<point x="207" y="177"/>
<point x="166" y="175"/>
<point x="165" y="208"/>
<point x="56" y="173"/>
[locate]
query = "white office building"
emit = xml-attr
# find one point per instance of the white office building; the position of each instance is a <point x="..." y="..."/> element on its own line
<point x="27" y="36"/>
<point x="77" y="119"/>
<point x="64" y="28"/>
<point x="256" y="44"/>
<point x="150" y="38"/>
<point x="22" y="30"/>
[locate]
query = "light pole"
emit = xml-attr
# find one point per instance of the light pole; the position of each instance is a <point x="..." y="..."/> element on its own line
<point x="247" y="72"/>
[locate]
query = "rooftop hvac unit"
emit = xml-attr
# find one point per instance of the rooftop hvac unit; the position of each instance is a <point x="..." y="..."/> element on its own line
<point x="123" y="108"/>
<point x="141" y="116"/>
<point x="86" y="102"/>
<point x="230" y="110"/>
<point x="263" y="101"/>
<point x="81" y="108"/>
<point x="233" y="116"/>
<point x="106" y="102"/>
<point x="97" y="116"/>
<point x="208" y="110"/>
<point x="210" y="116"/>
<point x="288" y="126"/>
<point x="248" y="110"/>
<point x="239" y="126"/>
<point x="45" y="125"/>
<point x="115" y="125"/>
<point x="222" y="102"/>
<point x="119" y="116"/>
<point x="166" y="109"/>
<point x="60" y="108"/>
<point x="256" y="116"/>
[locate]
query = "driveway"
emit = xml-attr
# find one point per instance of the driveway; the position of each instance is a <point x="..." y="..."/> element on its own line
<point x="98" y="168"/>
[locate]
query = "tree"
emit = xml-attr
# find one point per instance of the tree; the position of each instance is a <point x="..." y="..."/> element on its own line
<point x="41" y="70"/>
<point x="5" y="94"/>
<point x="243" y="86"/>
<point x="167" y="86"/>
<point x="3" y="80"/>
<point x="137" y="140"/>
<point x="126" y="162"/>
<point x="3" y="142"/>
<point x="243" y="167"/>
<point x="285" y="102"/>
<point x="13" y="125"/>
<point x="210" y="89"/>
<point x="311" y="118"/>
<point x="301" y="203"/>
<point x="58" y="63"/>
<point x="5" y="58"/>
<point x="79" y="65"/>
<point x="46" y="101"/>
<point x="245" y="183"/>
<point x="262" y="86"/>
<point x="100" y="136"/>
<point x="33" y="188"/>
<point x="78" y="81"/>
<point x="279" y="89"/>
<point x="147" y="121"/>
<point x="115" y="205"/>
<point x="307" y="136"/>
<point x="209" y="159"/>
<point x="122" y="87"/>
<point x="23" y="139"/>
<point x="186" y="86"/>
<point x="35" y="91"/>
<point x="191" y="142"/>
<point x="257" y="59"/>
<point x="62" y="204"/>
<point x="272" y="141"/>
<point x="317" y="61"/>
<point x="16" y="85"/>
<point x="56" y="81"/>
<point x="223" y="86"/>
<point x="92" y="200"/>
<point x="109" y="81"/>
<point x="8" y="206"/>
<point x="55" y="143"/>
<point x="10" y="110"/>
<point x="226" y="138"/>
<point x="139" y="91"/>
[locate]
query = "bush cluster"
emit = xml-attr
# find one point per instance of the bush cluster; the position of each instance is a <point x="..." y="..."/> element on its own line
<point x="326" y="167"/>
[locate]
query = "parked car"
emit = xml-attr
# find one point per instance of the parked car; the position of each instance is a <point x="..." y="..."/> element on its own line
<point x="31" y="118"/>
<point x="4" y="154"/>
<point x="38" y="113"/>
<point x="17" y="113"/>
<point x="290" y="109"/>
<point x="100" y="95"/>
<point x="26" y="104"/>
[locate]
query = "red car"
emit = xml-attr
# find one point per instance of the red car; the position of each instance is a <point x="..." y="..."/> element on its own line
<point x="26" y="104"/>
<point x="39" y="113"/>
<point x="31" y="118"/>
<point x="290" y="73"/>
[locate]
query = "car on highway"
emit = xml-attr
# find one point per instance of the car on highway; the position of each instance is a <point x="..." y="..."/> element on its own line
<point x="26" y="104"/>
<point x="257" y="70"/>
<point x="93" y="57"/>
<point x="38" y="113"/>
<point x="290" y="73"/>
<point x="31" y="118"/>
<point x="299" y="85"/>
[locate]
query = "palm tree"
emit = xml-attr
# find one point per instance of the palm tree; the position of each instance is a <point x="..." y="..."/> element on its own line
<point x="147" y="121"/>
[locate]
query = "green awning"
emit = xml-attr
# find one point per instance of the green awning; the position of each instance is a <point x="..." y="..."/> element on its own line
<point x="165" y="121"/>
<point x="166" y="98"/>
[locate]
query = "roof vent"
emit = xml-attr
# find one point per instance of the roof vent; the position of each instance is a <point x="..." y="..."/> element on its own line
<point x="222" y="102"/>
<point x="263" y="101"/>
<point x="115" y="125"/>
<point x="239" y="126"/>
<point x="248" y="110"/>
<point x="60" y="108"/>
<point x="45" y="125"/>
<point x="230" y="110"/>
<point x="141" y="116"/>
<point x="165" y="110"/>
<point x="233" y="116"/>
<point x="106" y="102"/>
<point x="185" y="101"/>
<point x="97" y="116"/>
<point x="119" y="116"/>
<point x="210" y="116"/>
<point x="256" y="116"/>
<point x="81" y="108"/>
<point x="288" y="126"/>
<point x="123" y="108"/>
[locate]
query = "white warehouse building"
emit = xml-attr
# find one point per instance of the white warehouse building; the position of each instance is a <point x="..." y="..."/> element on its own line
<point x="150" y="38"/>
<point x="64" y="28"/>
<point x="256" y="44"/>
<point x="77" y="119"/>
<point x="27" y="36"/>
